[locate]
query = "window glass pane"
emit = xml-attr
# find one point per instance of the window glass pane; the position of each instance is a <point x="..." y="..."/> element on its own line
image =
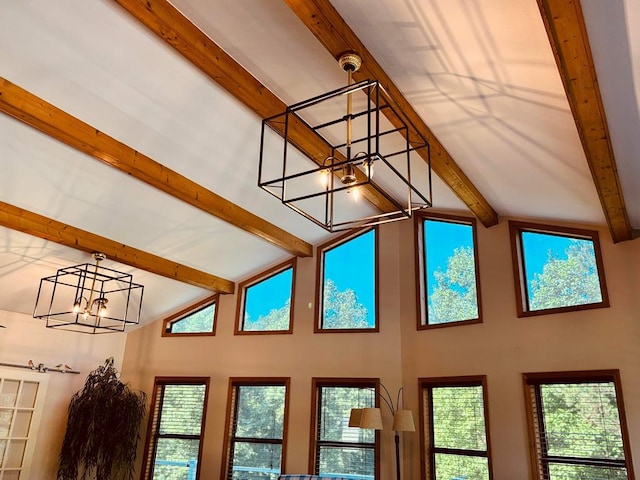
<point x="560" y="271"/>
<point x="458" y="418"/>
<point x="268" y="303"/>
<point x="581" y="420"/>
<point x="182" y="407"/>
<point x="176" y="459"/>
<point x="584" y="472"/>
<point x="260" y="411"/>
<point x="335" y="409"/>
<point x="461" y="467"/>
<point x="347" y="461"/>
<point x="256" y="461"/>
<point x="6" y="415"/>
<point x="349" y="284"/>
<point x="196" y="322"/>
<point x="450" y="271"/>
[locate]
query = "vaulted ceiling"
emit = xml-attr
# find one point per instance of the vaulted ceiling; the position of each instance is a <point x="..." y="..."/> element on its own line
<point x="132" y="127"/>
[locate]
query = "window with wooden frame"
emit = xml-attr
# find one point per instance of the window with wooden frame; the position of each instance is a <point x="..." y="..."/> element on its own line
<point x="556" y="269"/>
<point x="196" y="320"/>
<point x="577" y="426"/>
<point x="447" y="268"/>
<point x="256" y="429"/>
<point x="176" y="425"/>
<point x="347" y="284"/>
<point x="336" y="448"/>
<point x="265" y="302"/>
<point x="454" y="430"/>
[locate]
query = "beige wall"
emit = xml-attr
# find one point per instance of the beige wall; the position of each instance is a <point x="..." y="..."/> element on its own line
<point x="503" y="347"/>
<point x="27" y="339"/>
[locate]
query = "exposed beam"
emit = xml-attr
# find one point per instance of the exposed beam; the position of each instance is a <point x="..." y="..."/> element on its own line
<point x="175" y="29"/>
<point x="567" y="33"/>
<point x="53" y="121"/>
<point x="324" y="21"/>
<point x="58" y="232"/>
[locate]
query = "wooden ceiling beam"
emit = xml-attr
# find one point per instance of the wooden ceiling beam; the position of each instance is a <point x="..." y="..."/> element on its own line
<point x="37" y="113"/>
<point x="39" y="226"/>
<point x="324" y="21"/>
<point x="567" y="34"/>
<point x="175" y="29"/>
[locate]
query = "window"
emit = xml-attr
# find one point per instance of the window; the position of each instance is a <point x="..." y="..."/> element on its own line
<point x="196" y="320"/>
<point x="264" y="302"/>
<point x="21" y="404"/>
<point x="454" y="416"/>
<point x="256" y="429"/>
<point x="336" y="448"/>
<point x="556" y="269"/>
<point x="174" y="435"/>
<point x="348" y="282"/>
<point x="449" y="290"/>
<point x="577" y="424"/>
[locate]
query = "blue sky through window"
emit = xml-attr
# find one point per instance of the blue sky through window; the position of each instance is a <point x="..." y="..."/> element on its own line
<point x="536" y="248"/>
<point x="271" y="293"/>
<point x="351" y="265"/>
<point x="443" y="238"/>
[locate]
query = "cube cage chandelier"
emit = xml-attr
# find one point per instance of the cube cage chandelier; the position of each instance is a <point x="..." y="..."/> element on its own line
<point x="89" y="299"/>
<point x="373" y="135"/>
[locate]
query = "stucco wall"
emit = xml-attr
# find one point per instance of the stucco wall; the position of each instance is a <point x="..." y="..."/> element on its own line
<point x="503" y="347"/>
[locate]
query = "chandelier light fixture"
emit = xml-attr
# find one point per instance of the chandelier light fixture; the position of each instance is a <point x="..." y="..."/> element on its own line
<point x="330" y="187"/>
<point x="89" y="298"/>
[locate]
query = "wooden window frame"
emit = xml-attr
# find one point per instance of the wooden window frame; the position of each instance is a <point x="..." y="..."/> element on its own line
<point x="519" y="274"/>
<point x="255" y="280"/>
<point x="330" y="245"/>
<point x="190" y="310"/>
<point x="155" y="410"/>
<point x="532" y="382"/>
<point x="428" y="450"/>
<point x="314" y="442"/>
<point x="421" y="273"/>
<point x="230" y="423"/>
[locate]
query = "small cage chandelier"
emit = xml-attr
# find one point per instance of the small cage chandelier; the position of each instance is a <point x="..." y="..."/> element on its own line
<point x="89" y="299"/>
<point x="374" y="135"/>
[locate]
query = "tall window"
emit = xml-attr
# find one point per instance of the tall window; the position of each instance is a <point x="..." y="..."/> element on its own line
<point x="264" y="302"/>
<point x="196" y="320"/>
<point x="255" y="443"/>
<point x="21" y="404"/>
<point x="556" y="269"/>
<point x="348" y="284"/>
<point x="449" y="289"/>
<point x="576" y="422"/>
<point x="336" y="448"/>
<point x="174" y="435"/>
<point x="454" y="424"/>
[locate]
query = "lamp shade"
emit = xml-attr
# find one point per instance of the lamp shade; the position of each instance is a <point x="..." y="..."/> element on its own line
<point x="403" y="421"/>
<point x="355" y="417"/>
<point x="371" y="418"/>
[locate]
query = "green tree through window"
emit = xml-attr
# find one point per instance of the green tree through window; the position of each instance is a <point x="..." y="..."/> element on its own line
<point x="449" y="282"/>
<point x="456" y="426"/>
<point x="175" y="429"/>
<point x="256" y="439"/>
<point x="577" y="426"/>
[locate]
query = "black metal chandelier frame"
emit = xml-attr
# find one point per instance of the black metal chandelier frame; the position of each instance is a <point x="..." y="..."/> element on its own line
<point x="338" y="161"/>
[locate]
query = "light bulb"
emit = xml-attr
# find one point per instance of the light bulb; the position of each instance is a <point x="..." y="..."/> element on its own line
<point x="76" y="307"/>
<point x="102" y="311"/>
<point x="355" y="193"/>
<point x="324" y="178"/>
<point x="85" y="315"/>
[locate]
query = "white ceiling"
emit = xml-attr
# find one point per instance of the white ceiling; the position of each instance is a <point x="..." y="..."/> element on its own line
<point x="481" y="75"/>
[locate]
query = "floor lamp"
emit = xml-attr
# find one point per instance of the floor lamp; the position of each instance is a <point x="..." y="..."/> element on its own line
<point x="372" y="418"/>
